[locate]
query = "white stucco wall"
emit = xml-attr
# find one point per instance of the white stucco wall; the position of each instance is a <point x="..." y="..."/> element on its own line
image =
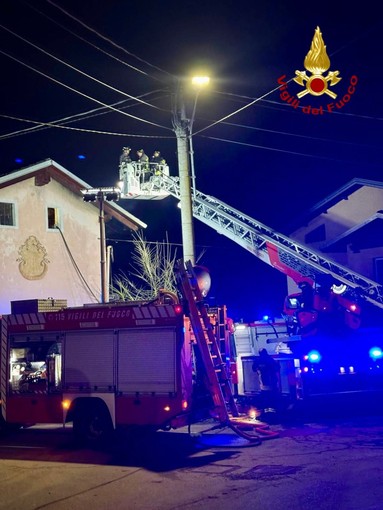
<point x="346" y="214"/>
<point x="80" y="228"/>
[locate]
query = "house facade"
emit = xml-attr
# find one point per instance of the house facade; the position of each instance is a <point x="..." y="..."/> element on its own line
<point x="50" y="238"/>
<point x="347" y="226"/>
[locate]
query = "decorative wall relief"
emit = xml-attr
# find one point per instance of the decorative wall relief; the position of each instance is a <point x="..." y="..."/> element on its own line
<point x="33" y="262"/>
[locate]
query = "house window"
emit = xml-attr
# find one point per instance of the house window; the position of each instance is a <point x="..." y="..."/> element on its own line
<point x="316" y="235"/>
<point x="53" y="218"/>
<point x="7" y="214"/>
<point x="378" y="267"/>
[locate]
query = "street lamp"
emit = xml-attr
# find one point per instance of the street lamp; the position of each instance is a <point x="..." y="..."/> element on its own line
<point x="102" y="194"/>
<point x="183" y="130"/>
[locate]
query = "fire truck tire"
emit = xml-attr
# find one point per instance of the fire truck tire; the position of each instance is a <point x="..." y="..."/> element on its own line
<point x="92" y="424"/>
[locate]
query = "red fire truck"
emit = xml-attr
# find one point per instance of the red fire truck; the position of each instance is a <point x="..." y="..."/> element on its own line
<point x="110" y="366"/>
<point x="99" y="366"/>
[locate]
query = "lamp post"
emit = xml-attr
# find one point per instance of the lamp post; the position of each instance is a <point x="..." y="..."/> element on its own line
<point x="102" y="194"/>
<point x="181" y="126"/>
<point x="183" y="130"/>
<point x="198" y="83"/>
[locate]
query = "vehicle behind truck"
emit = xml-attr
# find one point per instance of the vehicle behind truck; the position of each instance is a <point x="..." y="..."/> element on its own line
<point x="327" y="359"/>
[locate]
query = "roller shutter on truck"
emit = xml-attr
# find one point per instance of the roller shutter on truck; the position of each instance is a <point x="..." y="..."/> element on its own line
<point x="89" y="360"/>
<point x="146" y="361"/>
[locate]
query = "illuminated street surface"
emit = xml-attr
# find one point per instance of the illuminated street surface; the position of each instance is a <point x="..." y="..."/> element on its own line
<point x="326" y="464"/>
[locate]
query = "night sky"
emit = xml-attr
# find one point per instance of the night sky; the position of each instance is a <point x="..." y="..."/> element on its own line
<point x="271" y="160"/>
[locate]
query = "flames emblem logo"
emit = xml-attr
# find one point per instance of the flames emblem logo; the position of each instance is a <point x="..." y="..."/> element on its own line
<point x="317" y="62"/>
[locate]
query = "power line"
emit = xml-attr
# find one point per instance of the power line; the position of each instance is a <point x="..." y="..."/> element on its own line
<point x="239" y="110"/>
<point x="286" y="107"/>
<point x="75" y="68"/>
<point x="42" y="125"/>
<point x="66" y="120"/>
<point x="271" y="148"/>
<point x="77" y="269"/>
<point x="107" y="39"/>
<point x="94" y="131"/>
<point x="178" y="245"/>
<point x="297" y="135"/>
<point x="81" y="93"/>
<point x="48" y="124"/>
<point x="91" y="44"/>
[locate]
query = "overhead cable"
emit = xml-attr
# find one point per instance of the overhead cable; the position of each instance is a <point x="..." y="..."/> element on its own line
<point x="296" y="135"/>
<point x="77" y="269"/>
<point x="76" y="69"/>
<point x="107" y="39"/>
<point x="286" y="107"/>
<point x="271" y="148"/>
<point x="81" y="93"/>
<point x="93" y="45"/>
<point x="67" y="120"/>
<point x="237" y="111"/>
<point x="84" y="130"/>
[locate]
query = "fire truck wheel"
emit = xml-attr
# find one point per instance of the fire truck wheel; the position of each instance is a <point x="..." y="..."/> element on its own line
<point x="92" y="425"/>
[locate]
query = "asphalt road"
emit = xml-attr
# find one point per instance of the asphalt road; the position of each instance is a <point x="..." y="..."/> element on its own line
<point x="330" y="463"/>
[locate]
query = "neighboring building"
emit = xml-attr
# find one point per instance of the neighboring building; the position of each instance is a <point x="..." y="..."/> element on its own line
<point x="50" y="238"/>
<point x="348" y="227"/>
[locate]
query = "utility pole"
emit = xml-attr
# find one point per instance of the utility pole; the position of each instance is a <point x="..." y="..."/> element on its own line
<point x="182" y="130"/>
<point x="102" y="194"/>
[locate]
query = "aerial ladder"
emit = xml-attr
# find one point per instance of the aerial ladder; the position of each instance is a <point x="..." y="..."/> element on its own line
<point x="287" y="255"/>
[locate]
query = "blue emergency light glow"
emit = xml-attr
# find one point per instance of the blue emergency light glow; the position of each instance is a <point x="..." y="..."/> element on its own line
<point x="314" y="357"/>
<point x="265" y="318"/>
<point x="375" y="353"/>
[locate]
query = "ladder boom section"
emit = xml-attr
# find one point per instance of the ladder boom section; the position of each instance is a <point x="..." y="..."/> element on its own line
<point x="285" y="254"/>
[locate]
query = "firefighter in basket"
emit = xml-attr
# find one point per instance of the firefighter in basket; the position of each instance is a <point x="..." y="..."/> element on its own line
<point x="156" y="161"/>
<point x="143" y="164"/>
